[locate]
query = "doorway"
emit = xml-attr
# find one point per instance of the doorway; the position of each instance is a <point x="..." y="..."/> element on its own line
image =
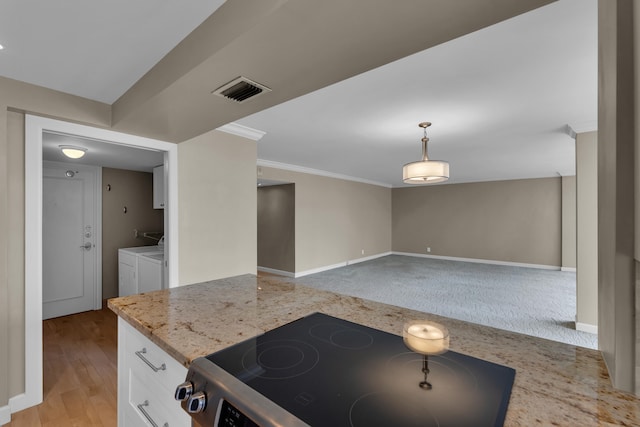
<point x="70" y="239"/>
<point x="34" y="129"/>
<point x="276" y="228"/>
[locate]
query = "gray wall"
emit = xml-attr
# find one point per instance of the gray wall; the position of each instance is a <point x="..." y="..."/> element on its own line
<point x="336" y="220"/>
<point x="636" y="120"/>
<point x="516" y="221"/>
<point x="135" y="191"/>
<point x="276" y="227"/>
<point x="617" y="144"/>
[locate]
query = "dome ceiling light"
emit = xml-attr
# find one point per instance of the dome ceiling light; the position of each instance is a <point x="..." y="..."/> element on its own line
<point x="73" y="152"/>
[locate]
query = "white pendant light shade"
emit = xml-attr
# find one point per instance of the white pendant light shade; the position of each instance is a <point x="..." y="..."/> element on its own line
<point x="425" y="171"/>
<point x="73" y="152"/>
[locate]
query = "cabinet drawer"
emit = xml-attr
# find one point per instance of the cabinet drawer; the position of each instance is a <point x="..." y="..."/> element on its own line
<point x="143" y="355"/>
<point x="144" y="392"/>
<point x="148" y="403"/>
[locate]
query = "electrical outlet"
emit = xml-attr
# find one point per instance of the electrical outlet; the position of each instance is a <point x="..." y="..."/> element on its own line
<point x="363" y="252"/>
<point x="428" y="249"/>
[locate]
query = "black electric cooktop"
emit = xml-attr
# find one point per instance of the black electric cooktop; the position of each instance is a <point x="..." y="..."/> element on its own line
<point x="331" y="372"/>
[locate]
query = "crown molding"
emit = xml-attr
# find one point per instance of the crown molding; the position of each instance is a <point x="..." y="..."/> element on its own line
<point x="243" y="131"/>
<point x="310" y="171"/>
<point x="573" y="129"/>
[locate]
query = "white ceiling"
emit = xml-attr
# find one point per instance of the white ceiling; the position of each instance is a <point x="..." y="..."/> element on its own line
<point x="101" y="154"/>
<point x="499" y="98"/>
<point x="93" y="49"/>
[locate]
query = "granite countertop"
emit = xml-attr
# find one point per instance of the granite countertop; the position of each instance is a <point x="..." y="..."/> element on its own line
<point x="555" y="384"/>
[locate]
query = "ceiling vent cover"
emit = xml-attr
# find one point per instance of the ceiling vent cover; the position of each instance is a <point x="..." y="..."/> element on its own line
<point x="240" y="89"/>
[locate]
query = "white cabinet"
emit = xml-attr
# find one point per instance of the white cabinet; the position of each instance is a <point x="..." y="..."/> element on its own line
<point x="147" y="377"/>
<point x="140" y="269"/>
<point x="158" y="187"/>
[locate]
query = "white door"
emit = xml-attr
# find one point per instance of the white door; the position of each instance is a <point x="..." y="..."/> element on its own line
<point x="69" y="262"/>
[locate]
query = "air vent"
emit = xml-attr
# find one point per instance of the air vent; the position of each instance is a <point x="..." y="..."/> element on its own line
<point x="240" y="89"/>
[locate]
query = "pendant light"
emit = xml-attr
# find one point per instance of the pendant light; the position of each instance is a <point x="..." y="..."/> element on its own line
<point x="425" y="171"/>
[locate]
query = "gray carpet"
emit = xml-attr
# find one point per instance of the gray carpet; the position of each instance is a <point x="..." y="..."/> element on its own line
<point x="531" y="301"/>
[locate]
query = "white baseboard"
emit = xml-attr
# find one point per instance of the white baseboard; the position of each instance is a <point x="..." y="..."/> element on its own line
<point x="16" y="404"/>
<point x="380" y="255"/>
<point x="480" y="261"/>
<point x="274" y="271"/>
<point x="367" y="258"/>
<point x="571" y="269"/>
<point x="341" y="264"/>
<point x="586" y="327"/>
<point x="21" y="402"/>
<point x="320" y="269"/>
<point x="5" y="415"/>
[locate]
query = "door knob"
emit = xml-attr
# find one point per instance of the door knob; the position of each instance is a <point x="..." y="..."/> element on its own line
<point x="87" y="246"/>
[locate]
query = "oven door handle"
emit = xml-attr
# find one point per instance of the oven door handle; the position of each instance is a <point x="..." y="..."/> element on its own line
<point x="145" y="360"/>
<point x="141" y="407"/>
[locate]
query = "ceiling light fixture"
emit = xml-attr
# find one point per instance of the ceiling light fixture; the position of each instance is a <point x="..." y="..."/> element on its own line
<point x="73" y="152"/>
<point x="425" y="171"/>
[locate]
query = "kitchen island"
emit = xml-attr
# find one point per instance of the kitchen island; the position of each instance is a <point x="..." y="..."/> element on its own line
<point x="555" y="383"/>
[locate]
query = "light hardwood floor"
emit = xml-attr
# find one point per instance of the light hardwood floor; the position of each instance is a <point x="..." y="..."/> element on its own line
<point x="80" y="373"/>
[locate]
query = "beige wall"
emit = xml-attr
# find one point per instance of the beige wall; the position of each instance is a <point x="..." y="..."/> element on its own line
<point x="217" y="207"/>
<point x="336" y="219"/>
<point x="5" y="320"/>
<point x="15" y="99"/>
<point x="569" y="222"/>
<point x="617" y="130"/>
<point x="276" y="227"/>
<point x="587" y="228"/>
<point x="135" y="191"/>
<point x="15" y="241"/>
<point x="515" y="221"/>
<point x="617" y="335"/>
<point x="636" y="219"/>
<point x="221" y="168"/>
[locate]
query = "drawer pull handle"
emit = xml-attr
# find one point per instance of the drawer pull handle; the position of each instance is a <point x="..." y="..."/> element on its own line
<point x="151" y="365"/>
<point x="141" y="407"/>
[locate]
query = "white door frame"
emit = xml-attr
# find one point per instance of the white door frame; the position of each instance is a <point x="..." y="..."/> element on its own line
<point x="34" y="127"/>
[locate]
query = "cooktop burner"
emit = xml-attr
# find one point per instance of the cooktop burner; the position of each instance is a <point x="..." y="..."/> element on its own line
<point x="330" y="372"/>
<point x="279" y="359"/>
